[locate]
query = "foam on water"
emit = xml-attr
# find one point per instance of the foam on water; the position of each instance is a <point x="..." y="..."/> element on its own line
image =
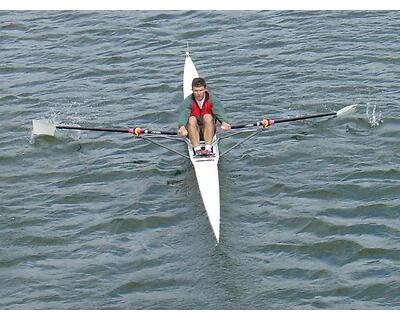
<point x="69" y="114"/>
<point x="374" y="117"/>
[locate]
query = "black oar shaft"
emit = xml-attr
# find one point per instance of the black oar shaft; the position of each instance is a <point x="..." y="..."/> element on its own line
<point x="306" y="117"/>
<point x="241" y="126"/>
<point x="267" y="122"/>
<point x="93" y="129"/>
<point x="171" y="133"/>
<point x="135" y="131"/>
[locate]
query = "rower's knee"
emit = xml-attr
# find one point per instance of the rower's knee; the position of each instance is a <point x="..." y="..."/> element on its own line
<point x="192" y="121"/>
<point x="208" y="118"/>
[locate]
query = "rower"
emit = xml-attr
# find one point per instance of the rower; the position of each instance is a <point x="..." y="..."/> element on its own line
<point x="198" y="115"/>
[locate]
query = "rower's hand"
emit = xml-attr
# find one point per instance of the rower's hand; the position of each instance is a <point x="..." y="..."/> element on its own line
<point x="225" y="126"/>
<point x="182" y="131"/>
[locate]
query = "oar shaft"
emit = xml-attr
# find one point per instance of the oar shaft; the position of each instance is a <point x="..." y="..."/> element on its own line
<point x="135" y="131"/>
<point x="170" y="133"/>
<point x="242" y="126"/>
<point x="268" y="122"/>
<point x="306" y="117"/>
<point x="93" y="129"/>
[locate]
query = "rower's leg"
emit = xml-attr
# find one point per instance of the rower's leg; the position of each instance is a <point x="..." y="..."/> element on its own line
<point x="209" y="128"/>
<point x="193" y="131"/>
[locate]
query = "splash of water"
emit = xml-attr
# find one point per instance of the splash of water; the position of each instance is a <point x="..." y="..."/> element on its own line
<point x="69" y="113"/>
<point x="374" y="117"/>
<point x="31" y="139"/>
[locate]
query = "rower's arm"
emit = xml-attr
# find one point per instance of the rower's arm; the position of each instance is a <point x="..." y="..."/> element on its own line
<point x="218" y="110"/>
<point x="184" y="111"/>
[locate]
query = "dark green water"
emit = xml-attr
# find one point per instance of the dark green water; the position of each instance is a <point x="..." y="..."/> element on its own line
<point x="309" y="210"/>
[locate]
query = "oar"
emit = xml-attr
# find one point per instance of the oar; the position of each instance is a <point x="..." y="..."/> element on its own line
<point x="44" y="127"/>
<point x="267" y="122"/>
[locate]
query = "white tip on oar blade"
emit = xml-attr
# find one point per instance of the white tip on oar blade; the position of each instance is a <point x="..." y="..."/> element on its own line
<point x="346" y="110"/>
<point x="43" y="128"/>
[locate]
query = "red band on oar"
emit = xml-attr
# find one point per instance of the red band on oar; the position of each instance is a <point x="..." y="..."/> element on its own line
<point x="267" y="122"/>
<point x="135" y="131"/>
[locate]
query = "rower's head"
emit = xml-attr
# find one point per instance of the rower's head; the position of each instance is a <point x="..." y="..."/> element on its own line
<point x="199" y="88"/>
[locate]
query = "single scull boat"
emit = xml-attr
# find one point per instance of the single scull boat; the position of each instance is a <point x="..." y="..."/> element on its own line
<point x="206" y="168"/>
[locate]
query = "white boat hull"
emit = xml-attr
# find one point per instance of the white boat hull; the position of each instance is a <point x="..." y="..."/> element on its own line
<point x="206" y="168"/>
<point x="189" y="73"/>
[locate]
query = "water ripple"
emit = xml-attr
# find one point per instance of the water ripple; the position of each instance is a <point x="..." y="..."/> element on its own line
<point x="309" y="209"/>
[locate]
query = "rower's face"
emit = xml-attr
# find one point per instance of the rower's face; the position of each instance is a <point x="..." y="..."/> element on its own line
<point x="199" y="92"/>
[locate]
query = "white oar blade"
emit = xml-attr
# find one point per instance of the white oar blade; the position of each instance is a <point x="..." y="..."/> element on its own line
<point x="346" y="110"/>
<point x="43" y="128"/>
